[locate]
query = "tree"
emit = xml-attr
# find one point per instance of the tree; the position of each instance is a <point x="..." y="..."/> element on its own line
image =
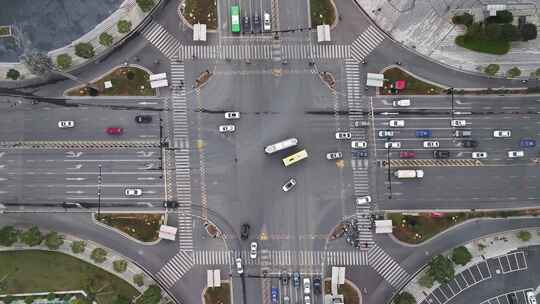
<point x="105" y="39"/>
<point x="492" y="69"/>
<point x="465" y="19"/>
<point x="37" y="63"/>
<point x="426" y="281"/>
<point x="528" y="32"/>
<point x="32" y="236"/>
<point x="138" y="279"/>
<point x="99" y="255"/>
<point x="513" y="72"/>
<point x="13" y="74"/>
<point x="121" y="300"/>
<point x="461" y="255"/>
<point x="501" y="17"/>
<point x="8" y="236"/>
<point x="405" y="298"/>
<point x="145" y="5"/>
<point x="28" y="300"/>
<point x="64" y="61"/>
<point x="124" y="26"/>
<point x="493" y="31"/>
<point x="152" y="295"/>
<point x="78" y="246"/>
<point x="120" y="265"/>
<point x="84" y="50"/>
<point x="523" y="235"/>
<point x="53" y="240"/>
<point x="441" y="269"/>
<point x="51" y="296"/>
<point x="537" y="73"/>
<point x="510" y="32"/>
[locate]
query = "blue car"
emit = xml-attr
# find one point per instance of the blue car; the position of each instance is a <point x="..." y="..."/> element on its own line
<point x="423" y="133"/>
<point x="527" y="143"/>
<point x="275" y="295"/>
<point x="360" y="153"/>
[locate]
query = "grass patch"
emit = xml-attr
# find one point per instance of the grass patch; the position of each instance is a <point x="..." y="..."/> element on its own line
<point x="201" y="11"/>
<point x="415" y="229"/>
<point x="322" y="12"/>
<point x="126" y="81"/>
<point x="414" y="86"/>
<point x="477" y="44"/>
<point x="143" y="227"/>
<point x="218" y="295"/>
<point x="350" y="296"/>
<point x="38" y="271"/>
<point x="4" y="30"/>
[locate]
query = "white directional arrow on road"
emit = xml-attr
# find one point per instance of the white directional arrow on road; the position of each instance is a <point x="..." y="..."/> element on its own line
<point x="150" y="192"/>
<point x="77" y="167"/>
<point x="145" y="153"/>
<point x="147" y="166"/>
<point x="147" y="102"/>
<point x="74" y="154"/>
<point x="145" y="203"/>
<point x="75" y="178"/>
<point x="75" y="192"/>
<point x="2" y="154"/>
<point x="146" y="178"/>
<point x="3" y="179"/>
<point x="389" y="113"/>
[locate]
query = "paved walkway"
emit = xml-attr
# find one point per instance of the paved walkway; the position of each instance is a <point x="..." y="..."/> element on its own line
<point x="426" y="27"/>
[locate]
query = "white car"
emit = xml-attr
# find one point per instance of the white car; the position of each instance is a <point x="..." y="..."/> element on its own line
<point x="289" y="185"/>
<point x="343" y="135"/>
<point x="477" y="155"/>
<point x="516" y="154"/>
<point x="431" y="144"/>
<point x="392" y="145"/>
<point x="358" y="144"/>
<point x="239" y="267"/>
<point x="253" y="250"/>
<point x="458" y="123"/>
<point x="363" y="200"/>
<point x="307" y="300"/>
<point x="401" y="103"/>
<point x="232" y="115"/>
<point x="267" y="26"/>
<point x="307" y="286"/>
<point x="502" y="133"/>
<point x="63" y="124"/>
<point x="227" y="128"/>
<point x="386" y="133"/>
<point x="395" y="123"/>
<point x="133" y="192"/>
<point x="334" y="155"/>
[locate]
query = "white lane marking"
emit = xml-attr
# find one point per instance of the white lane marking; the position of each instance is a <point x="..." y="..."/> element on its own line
<point x="75" y="178"/>
<point x="149" y="192"/>
<point x="75" y="192"/>
<point x="145" y="153"/>
<point x="146" y="167"/>
<point x="111" y="186"/>
<point x="110" y="160"/>
<point x="460" y="102"/>
<point x="115" y="173"/>
<point x="147" y="102"/>
<point x="77" y="167"/>
<point x="73" y="154"/>
<point x="145" y="203"/>
<point x="511" y="108"/>
<point x="109" y="198"/>
<point x="3" y="179"/>
<point x="2" y="166"/>
<point x="2" y="154"/>
<point x="146" y="178"/>
<point x="147" y="136"/>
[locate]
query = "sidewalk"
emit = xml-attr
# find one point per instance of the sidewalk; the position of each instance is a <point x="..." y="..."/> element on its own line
<point x="481" y="249"/>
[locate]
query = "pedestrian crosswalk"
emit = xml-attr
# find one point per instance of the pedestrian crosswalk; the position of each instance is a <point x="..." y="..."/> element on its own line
<point x="175" y="268"/>
<point x="366" y="43"/>
<point x="387" y="267"/>
<point x="304" y="51"/>
<point x="161" y="39"/>
<point x="395" y="163"/>
<point x="282" y="257"/>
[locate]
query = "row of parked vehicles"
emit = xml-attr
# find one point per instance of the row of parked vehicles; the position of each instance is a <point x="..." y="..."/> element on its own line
<point x="295" y="278"/>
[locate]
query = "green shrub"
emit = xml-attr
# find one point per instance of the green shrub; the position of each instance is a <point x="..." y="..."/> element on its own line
<point x="138" y="279"/>
<point x="51" y="296"/>
<point x="523" y="235"/>
<point x="152" y="295"/>
<point x="441" y="269"/>
<point x="99" y="255"/>
<point x="124" y="26"/>
<point x="461" y="255"/>
<point x="84" y="50"/>
<point x="53" y="240"/>
<point x="120" y="265"/>
<point x="145" y="5"/>
<point x="492" y="69"/>
<point x="465" y="19"/>
<point x="513" y="72"/>
<point x="8" y="236"/>
<point x="537" y="72"/>
<point x="501" y="17"/>
<point x="105" y="39"/>
<point x="13" y="74"/>
<point x="64" y="61"/>
<point x="78" y="247"/>
<point x="32" y="236"/>
<point x="405" y="298"/>
<point x="426" y="281"/>
<point x="528" y="32"/>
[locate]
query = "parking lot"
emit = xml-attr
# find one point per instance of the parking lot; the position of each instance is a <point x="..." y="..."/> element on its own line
<point x="508" y="263"/>
<point x="513" y="297"/>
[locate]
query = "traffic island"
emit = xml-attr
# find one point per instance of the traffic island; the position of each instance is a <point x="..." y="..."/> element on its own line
<point x="123" y="81"/>
<point x="329" y="79"/>
<point x="399" y="82"/>
<point x="202" y="79"/>
<point x="212" y="230"/>
<point x="417" y="228"/>
<point x="218" y="295"/>
<point x="200" y="11"/>
<point x="351" y="294"/>
<point x="142" y="227"/>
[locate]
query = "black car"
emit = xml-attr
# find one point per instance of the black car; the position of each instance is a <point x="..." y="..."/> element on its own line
<point x="256" y="22"/>
<point x="441" y="154"/>
<point x="285" y="277"/>
<point x="143" y="119"/>
<point x="317" y="284"/>
<point x="469" y="143"/>
<point x="170" y="204"/>
<point x="245" y="24"/>
<point x="244" y="231"/>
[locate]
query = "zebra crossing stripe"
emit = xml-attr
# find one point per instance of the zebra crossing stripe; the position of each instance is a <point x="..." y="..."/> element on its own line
<point x="366" y="43"/>
<point x="156" y="34"/>
<point x="385" y="266"/>
<point x="175" y="268"/>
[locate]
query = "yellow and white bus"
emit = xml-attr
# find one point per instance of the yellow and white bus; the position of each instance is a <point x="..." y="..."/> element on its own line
<point x="296" y="157"/>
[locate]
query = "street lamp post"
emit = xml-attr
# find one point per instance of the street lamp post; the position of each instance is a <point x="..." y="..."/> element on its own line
<point x="99" y="193"/>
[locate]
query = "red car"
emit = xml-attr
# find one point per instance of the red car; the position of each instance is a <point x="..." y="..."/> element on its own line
<point x="114" y="131"/>
<point x="407" y="154"/>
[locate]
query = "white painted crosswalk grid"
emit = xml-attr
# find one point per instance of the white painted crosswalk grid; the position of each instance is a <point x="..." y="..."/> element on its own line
<point x="175" y="268"/>
<point x="306" y="51"/>
<point x="226" y="52"/>
<point x="161" y="39"/>
<point x="387" y="267"/>
<point x="366" y="43"/>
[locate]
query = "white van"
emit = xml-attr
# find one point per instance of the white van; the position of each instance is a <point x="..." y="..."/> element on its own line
<point x="531" y="298"/>
<point x="266" y="22"/>
<point x="284" y="144"/>
<point x="401" y="103"/>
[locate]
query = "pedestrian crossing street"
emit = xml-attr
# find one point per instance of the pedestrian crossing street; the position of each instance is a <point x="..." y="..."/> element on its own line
<point x="273" y="51"/>
<point x="175" y="268"/>
<point x="386" y="267"/>
<point x="156" y="34"/>
<point x="282" y="257"/>
<point x="366" y="43"/>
